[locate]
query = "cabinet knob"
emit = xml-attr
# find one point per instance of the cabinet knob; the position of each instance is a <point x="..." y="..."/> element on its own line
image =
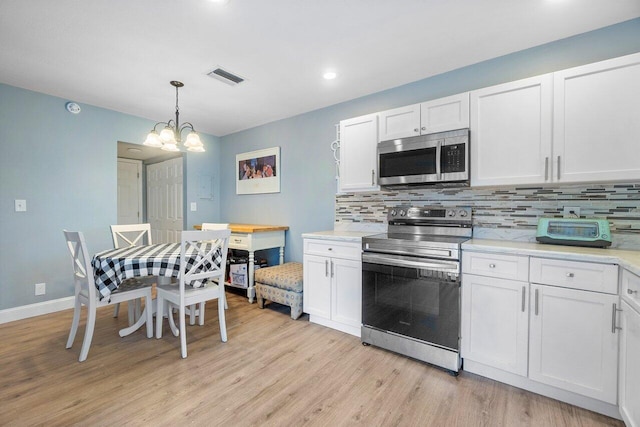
<point x="630" y="292"/>
<point x="423" y="128"/>
<point x="330" y="249"/>
<point x="569" y="274"/>
<point x="416" y="130"/>
<point x="492" y="266"/>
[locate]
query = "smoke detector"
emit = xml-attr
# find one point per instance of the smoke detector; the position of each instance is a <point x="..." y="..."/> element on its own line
<point x="225" y="76"/>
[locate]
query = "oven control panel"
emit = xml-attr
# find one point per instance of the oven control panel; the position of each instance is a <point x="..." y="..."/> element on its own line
<point x="430" y="213"/>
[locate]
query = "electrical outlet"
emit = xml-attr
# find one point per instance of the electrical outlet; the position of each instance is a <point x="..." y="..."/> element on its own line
<point x="571" y="212"/>
<point x="194" y="207"/>
<point x="41" y="288"/>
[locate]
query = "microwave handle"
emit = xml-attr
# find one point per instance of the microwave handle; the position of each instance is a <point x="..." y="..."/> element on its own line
<point x="438" y="160"/>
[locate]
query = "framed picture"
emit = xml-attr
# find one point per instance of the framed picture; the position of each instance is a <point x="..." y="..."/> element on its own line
<point x="258" y="171"/>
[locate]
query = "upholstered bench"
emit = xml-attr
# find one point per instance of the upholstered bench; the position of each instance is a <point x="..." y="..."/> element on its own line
<point x="281" y="284"/>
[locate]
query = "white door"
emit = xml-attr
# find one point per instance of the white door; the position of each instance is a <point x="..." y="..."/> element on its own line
<point x="165" y="200"/>
<point x="495" y="322"/>
<point x="358" y="157"/>
<point x="596" y="121"/>
<point x="129" y="191"/>
<point x="511" y="133"/>
<point x="573" y="345"/>
<point x="317" y="286"/>
<point x="346" y="304"/>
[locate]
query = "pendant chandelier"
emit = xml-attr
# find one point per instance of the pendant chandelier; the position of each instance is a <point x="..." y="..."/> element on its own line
<point x="170" y="136"/>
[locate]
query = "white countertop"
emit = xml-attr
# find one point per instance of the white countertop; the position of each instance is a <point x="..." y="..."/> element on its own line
<point x="625" y="258"/>
<point x="340" y="235"/>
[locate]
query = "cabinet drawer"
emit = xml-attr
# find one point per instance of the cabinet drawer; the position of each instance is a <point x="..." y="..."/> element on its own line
<point x="631" y="288"/>
<point x="239" y="241"/>
<point x="333" y="248"/>
<point x="587" y="276"/>
<point x="515" y="267"/>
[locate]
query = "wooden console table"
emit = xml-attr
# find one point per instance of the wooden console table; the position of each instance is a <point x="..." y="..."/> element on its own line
<point x="251" y="238"/>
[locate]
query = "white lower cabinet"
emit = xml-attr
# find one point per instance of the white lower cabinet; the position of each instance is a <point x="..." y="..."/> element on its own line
<point x="495" y="322"/>
<point x="573" y="341"/>
<point x="629" y="385"/>
<point x="544" y="337"/>
<point x="333" y="284"/>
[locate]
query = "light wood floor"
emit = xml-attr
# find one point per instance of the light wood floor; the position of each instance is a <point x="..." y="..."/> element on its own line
<point x="273" y="371"/>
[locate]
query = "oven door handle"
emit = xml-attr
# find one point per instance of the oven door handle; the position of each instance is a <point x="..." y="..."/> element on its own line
<point x="410" y="262"/>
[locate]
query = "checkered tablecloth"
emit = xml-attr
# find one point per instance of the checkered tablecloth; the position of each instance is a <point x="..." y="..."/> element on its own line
<point x="113" y="266"/>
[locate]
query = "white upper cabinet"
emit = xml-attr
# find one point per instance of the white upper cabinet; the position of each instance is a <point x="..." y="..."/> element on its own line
<point x="511" y="133"/>
<point x="439" y="115"/>
<point x="400" y="122"/>
<point x="445" y="114"/>
<point x="597" y="121"/>
<point x="358" y="157"/>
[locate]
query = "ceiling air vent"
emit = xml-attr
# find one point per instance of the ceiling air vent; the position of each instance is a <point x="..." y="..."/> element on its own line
<point x="225" y="77"/>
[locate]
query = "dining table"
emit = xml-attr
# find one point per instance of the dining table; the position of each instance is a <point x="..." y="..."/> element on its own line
<point x="113" y="266"/>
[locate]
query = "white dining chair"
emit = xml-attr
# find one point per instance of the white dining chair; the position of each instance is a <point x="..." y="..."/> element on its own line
<point x="125" y="235"/>
<point x="211" y="247"/>
<point x="206" y="226"/>
<point x="87" y="294"/>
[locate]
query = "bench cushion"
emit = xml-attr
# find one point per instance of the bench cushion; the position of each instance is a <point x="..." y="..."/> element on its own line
<point x="287" y="276"/>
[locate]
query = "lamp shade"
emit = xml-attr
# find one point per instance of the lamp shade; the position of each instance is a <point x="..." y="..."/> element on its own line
<point x="193" y="140"/>
<point x="168" y="136"/>
<point x="153" y="140"/>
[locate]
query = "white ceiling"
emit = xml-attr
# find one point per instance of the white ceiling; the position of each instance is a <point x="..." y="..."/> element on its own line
<point x="121" y="54"/>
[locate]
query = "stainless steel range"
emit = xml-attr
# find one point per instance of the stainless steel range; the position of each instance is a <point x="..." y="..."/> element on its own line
<point x="411" y="284"/>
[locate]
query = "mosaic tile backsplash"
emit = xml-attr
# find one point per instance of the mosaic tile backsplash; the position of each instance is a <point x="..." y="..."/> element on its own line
<point x="508" y="209"/>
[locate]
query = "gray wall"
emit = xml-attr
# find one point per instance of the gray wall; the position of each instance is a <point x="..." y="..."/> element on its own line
<point x="307" y="197"/>
<point x="64" y="165"/>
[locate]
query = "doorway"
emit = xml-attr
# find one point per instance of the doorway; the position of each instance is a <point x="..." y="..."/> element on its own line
<point x="157" y="188"/>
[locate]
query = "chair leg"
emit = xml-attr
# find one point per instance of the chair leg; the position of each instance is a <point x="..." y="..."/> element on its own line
<point x="74" y="323"/>
<point x="116" y="310"/>
<point x="159" y="314"/>
<point x="148" y="307"/>
<point x="226" y="305"/>
<point x="88" y="332"/>
<point x="222" y="320"/>
<point x="183" y="332"/>
<point x="201" y="314"/>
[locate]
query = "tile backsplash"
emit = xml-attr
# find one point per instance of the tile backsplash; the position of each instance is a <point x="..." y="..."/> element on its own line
<point x="506" y="212"/>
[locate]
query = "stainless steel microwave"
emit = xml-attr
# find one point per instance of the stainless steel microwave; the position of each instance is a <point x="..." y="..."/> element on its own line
<point x="437" y="158"/>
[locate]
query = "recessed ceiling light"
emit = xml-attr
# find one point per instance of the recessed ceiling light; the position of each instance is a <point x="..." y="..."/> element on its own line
<point x="134" y="150"/>
<point x="330" y="75"/>
<point x="222" y="2"/>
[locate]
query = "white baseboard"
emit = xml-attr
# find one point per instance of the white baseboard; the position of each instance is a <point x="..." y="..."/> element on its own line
<point x="37" y="309"/>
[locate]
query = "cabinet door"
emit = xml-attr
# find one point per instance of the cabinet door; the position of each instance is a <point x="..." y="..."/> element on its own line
<point x="317" y="286"/>
<point x="573" y="345"/>
<point x="511" y="133"/>
<point x="400" y="122"/>
<point x="630" y="366"/>
<point x="445" y="114"/>
<point x="347" y="291"/>
<point x="596" y="126"/>
<point x="358" y="157"/>
<point x="495" y="322"/>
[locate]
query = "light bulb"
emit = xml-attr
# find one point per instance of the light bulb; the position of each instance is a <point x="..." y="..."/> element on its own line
<point x="170" y="146"/>
<point x="197" y="149"/>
